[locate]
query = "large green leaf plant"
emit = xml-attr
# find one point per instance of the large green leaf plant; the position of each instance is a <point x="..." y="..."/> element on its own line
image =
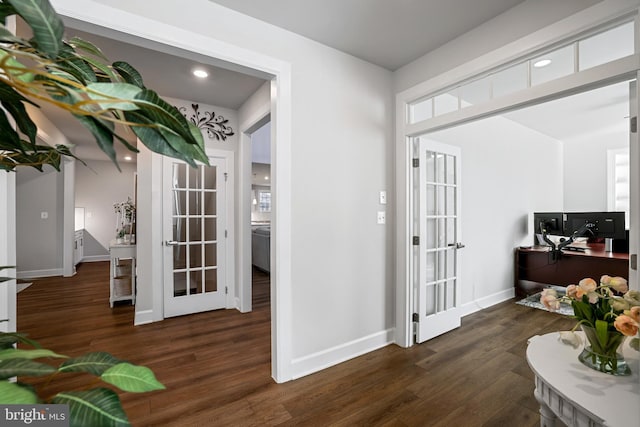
<point x="90" y="406"/>
<point x="105" y="97"/>
<point x="74" y="75"/>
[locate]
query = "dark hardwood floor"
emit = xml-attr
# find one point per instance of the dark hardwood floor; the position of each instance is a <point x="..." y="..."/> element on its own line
<point x="216" y="365"/>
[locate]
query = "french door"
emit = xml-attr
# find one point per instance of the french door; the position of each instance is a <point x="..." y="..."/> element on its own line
<point x="437" y="286"/>
<point x="194" y="235"/>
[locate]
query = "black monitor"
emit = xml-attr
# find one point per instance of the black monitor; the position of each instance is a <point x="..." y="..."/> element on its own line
<point x="607" y="225"/>
<point x="548" y="223"/>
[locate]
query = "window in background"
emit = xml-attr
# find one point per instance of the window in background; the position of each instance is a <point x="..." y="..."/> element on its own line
<point x="618" y="181"/>
<point x="264" y="201"/>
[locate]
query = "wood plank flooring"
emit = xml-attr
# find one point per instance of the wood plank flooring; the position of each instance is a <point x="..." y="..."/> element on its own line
<point x="216" y="365"/>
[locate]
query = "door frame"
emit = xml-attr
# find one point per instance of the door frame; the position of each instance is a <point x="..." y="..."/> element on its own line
<point x="98" y="18"/>
<point x="589" y="19"/>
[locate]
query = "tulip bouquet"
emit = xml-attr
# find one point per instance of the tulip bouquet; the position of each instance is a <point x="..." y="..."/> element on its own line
<point x="607" y="313"/>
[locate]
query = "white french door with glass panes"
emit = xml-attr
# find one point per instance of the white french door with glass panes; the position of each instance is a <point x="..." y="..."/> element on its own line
<point x="194" y="233"/>
<point x="437" y="286"/>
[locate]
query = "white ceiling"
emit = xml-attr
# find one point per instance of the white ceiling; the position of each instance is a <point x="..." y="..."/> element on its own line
<point x="389" y="33"/>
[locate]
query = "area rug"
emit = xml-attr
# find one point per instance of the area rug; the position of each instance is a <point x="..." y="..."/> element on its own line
<point x="533" y="301"/>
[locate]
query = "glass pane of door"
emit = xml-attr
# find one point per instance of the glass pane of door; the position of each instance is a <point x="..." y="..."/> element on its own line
<point x="194" y="219"/>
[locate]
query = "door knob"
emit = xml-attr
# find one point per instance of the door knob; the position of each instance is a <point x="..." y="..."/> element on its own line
<point x="171" y="243"/>
<point x="456" y="245"/>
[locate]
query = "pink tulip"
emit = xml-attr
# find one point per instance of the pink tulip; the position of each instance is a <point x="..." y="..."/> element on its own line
<point x="572" y="291"/>
<point x="619" y="284"/>
<point x="626" y="325"/>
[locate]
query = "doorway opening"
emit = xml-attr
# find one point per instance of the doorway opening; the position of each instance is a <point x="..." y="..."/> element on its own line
<point x="261" y="205"/>
<point x="552" y="156"/>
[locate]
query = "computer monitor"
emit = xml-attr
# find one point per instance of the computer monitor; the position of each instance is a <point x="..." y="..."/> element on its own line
<point x="548" y="223"/>
<point x="607" y="225"/>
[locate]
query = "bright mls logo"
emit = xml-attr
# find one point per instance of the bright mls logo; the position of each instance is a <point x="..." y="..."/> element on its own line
<point x="34" y="415"/>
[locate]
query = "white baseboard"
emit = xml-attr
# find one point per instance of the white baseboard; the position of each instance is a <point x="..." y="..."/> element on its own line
<point x="143" y="317"/>
<point x="95" y="258"/>
<point x="32" y="274"/>
<point x="323" y="359"/>
<point x="486" y="302"/>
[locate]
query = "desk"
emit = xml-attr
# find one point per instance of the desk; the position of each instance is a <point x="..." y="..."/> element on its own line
<point x="536" y="265"/>
<point x="122" y="284"/>
<point x="578" y="395"/>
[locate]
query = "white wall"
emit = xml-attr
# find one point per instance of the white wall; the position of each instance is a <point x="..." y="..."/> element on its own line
<point x="521" y="20"/>
<point x="585" y="169"/>
<point x="341" y="157"/>
<point x="39" y="240"/>
<point x="502" y="184"/>
<point x="100" y="185"/>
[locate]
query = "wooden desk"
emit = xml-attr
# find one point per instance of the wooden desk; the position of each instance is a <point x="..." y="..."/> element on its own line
<point x="118" y="251"/>
<point x="535" y="266"/>
<point x="578" y="395"/>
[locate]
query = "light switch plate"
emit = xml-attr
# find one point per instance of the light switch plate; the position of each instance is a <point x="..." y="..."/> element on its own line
<point x="383" y="197"/>
<point x="44" y="215"/>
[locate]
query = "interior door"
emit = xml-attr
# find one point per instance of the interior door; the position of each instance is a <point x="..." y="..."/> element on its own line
<point x="437" y="289"/>
<point x="195" y="217"/>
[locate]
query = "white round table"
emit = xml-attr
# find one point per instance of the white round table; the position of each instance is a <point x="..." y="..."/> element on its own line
<point x="578" y="395"/>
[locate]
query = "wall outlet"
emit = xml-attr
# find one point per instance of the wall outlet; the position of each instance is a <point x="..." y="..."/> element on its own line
<point x="382" y="217"/>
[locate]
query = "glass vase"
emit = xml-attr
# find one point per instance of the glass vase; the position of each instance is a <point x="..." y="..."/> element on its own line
<point x="603" y="354"/>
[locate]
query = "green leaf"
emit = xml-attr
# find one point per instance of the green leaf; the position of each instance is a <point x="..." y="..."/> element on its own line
<point x="94" y="363"/>
<point x="10" y="338"/>
<point x="159" y="111"/>
<point x="12" y="101"/>
<point x="154" y="141"/>
<point x="635" y="344"/>
<point x="5" y="11"/>
<point x="47" y="26"/>
<point x="128" y="377"/>
<point x="6" y="35"/>
<point x="24" y="367"/>
<point x="10" y="139"/>
<point x="17" y="353"/>
<point x="128" y="73"/>
<point x="103" y="135"/>
<point x="87" y="46"/>
<point x="96" y="407"/>
<point x="602" y="331"/>
<point x="114" y="91"/>
<point x="71" y="63"/>
<point x="13" y="393"/>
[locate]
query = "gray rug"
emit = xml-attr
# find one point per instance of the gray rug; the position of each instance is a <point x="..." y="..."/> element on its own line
<point x="533" y="301"/>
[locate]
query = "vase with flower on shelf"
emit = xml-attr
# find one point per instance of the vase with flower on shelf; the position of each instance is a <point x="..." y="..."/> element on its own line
<point x="603" y="351"/>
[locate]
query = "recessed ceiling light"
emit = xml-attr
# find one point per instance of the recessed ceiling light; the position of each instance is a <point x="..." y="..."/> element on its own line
<point x="266" y="178"/>
<point x="200" y="73"/>
<point x="542" y="63"/>
<point x="128" y="158"/>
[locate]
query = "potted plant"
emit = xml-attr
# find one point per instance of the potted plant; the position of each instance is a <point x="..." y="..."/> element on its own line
<point x="74" y="75"/>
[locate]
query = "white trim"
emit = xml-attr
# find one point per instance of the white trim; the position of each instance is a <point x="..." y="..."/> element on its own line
<point x="111" y="22"/>
<point x="143" y="317"/>
<point x="589" y="19"/>
<point x="32" y="274"/>
<point x="488" y="301"/>
<point x="95" y="258"/>
<point x="330" y="357"/>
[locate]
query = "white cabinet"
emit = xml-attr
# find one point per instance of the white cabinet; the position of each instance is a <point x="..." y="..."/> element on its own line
<point x="122" y="283"/>
<point x="78" y="247"/>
